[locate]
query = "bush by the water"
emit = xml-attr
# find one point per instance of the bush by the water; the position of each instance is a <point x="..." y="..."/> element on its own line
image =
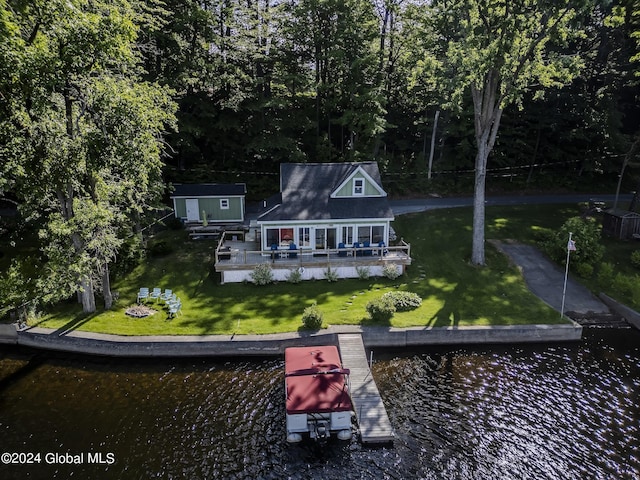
<point x="381" y="309"/>
<point x="586" y="234"/>
<point x="312" y="317"/>
<point x="403" y="301"/>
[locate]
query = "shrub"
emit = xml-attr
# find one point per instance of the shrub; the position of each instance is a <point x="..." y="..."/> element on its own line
<point x="635" y="259"/>
<point x="295" y="276"/>
<point x="606" y="275"/>
<point x="363" y="273"/>
<point x="403" y="301"/>
<point x="174" y="224"/>
<point x="262" y="274"/>
<point x="586" y="234"/>
<point x="330" y="275"/>
<point x="584" y="270"/>
<point x="390" y="271"/>
<point x="381" y="310"/>
<point x="312" y="317"/>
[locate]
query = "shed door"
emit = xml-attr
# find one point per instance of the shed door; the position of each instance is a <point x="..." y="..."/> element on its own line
<point x="192" y="210"/>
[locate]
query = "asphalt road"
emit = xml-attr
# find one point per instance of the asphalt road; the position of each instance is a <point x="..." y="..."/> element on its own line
<point x="400" y="207"/>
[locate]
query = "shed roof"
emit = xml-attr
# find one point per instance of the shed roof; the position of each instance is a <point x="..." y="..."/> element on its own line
<point x="208" y="189"/>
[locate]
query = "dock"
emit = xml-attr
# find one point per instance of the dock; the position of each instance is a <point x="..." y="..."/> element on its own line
<point x="371" y="414"/>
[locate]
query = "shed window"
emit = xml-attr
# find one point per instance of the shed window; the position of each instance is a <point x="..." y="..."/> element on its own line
<point x="224" y="204"/>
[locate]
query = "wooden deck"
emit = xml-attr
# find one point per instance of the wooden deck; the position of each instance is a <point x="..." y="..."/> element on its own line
<point x="373" y="421"/>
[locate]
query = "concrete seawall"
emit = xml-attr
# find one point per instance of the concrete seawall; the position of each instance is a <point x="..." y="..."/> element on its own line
<point x="261" y="345"/>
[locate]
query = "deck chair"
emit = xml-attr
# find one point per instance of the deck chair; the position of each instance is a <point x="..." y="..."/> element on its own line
<point x="382" y="252"/>
<point x="367" y="252"/>
<point x="356" y="246"/>
<point x="174" y="309"/>
<point x="166" y="295"/>
<point x="155" y="294"/>
<point x="143" y="294"/>
<point x="342" y="251"/>
<point x="293" y="250"/>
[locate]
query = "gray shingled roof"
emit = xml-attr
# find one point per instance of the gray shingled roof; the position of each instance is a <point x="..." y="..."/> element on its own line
<point x="306" y="193"/>
<point x="208" y="189"/>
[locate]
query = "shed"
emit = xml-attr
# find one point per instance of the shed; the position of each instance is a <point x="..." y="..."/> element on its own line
<point x="219" y="202"/>
<point x="621" y="224"/>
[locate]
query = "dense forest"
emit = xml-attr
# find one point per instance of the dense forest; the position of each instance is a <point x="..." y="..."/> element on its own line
<point x="105" y="103"/>
<point x="259" y="82"/>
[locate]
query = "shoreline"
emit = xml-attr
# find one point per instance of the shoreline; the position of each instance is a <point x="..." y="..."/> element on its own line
<point x="274" y="344"/>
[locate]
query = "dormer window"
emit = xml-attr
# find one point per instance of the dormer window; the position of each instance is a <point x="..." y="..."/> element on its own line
<point x="358" y="186"/>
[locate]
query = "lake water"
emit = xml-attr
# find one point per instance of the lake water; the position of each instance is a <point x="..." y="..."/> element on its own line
<point x="559" y="411"/>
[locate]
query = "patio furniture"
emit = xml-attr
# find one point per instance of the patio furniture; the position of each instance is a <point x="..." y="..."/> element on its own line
<point x="224" y="253"/>
<point x="175" y="308"/>
<point x="367" y="252"/>
<point x="356" y="246"/>
<point x="274" y="252"/>
<point x="293" y="250"/>
<point x="381" y="250"/>
<point x="155" y="294"/>
<point x="166" y="295"/>
<point x="143" y="294"/>
<point x="342" y="251"/>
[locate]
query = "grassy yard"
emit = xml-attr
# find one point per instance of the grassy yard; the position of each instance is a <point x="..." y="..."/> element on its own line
<point x="453" y="291"/>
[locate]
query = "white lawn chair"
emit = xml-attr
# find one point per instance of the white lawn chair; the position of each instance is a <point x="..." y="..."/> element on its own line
<point x="143" y="294"/>
<point x="174" y="308"/>
<point x="166" y="295"/>
<point x="155" y="294"/>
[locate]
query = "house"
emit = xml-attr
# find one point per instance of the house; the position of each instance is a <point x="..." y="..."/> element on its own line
<point x="326" y="216"/>
<point x="219" y="202"/>
<point x="326" y="205"/>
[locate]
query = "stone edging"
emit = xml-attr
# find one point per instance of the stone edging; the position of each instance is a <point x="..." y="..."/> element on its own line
<point x="260" y="345"/>
<point x="627" y="313"/>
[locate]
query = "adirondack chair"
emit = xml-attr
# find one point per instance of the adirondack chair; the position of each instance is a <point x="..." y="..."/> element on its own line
<point x="143" y="294"/>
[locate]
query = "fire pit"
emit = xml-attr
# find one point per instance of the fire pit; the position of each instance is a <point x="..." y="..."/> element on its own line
<point x="139" y="311"/>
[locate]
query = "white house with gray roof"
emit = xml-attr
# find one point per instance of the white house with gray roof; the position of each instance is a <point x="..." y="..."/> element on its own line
<point x="327" y="206"/>
<point x="327" y="216"/>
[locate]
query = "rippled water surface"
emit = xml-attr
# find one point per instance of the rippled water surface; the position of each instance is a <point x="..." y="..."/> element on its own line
<point x="561" y="411"/>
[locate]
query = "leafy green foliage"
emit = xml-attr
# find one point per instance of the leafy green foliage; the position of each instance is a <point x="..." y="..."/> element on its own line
<point x="587" y="236"/>
<point x="294" y="276"/>
<point x="403" y="301"/>
<point x="635" y="259"/>
<point x="390" y="271"/>
<point x="262" y="274"/>
<point x="331" y="275"/>
<point x="363" y="272"/>
<point x="381" y="310"/>
<point x="312" y="317"/>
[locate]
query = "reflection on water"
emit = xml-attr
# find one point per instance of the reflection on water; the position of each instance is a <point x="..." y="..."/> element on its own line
<point x="539" y="412"/>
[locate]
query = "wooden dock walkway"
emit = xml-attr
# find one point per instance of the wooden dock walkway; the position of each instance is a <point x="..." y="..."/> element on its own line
<point x="373" y="421"/>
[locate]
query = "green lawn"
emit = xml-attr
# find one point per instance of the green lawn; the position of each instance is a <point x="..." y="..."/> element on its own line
<point x="453" y="291"/>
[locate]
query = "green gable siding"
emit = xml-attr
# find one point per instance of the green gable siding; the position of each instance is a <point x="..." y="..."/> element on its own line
<point x="212" y="208"/>
<point x="347" y="190"/>
<point x="181" y="208"/>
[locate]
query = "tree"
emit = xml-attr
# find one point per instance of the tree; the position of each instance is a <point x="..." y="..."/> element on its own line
<point x="83" y="131"/>
<point x="496" y="50"/>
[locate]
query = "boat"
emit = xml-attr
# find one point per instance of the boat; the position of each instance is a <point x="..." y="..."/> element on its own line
<point x="318" y="404"/>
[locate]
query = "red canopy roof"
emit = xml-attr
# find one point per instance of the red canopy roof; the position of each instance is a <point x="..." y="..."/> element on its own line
<point x="310" y="388"/>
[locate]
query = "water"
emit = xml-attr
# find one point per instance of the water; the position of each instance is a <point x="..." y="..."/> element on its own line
<point x="561" y="411"/>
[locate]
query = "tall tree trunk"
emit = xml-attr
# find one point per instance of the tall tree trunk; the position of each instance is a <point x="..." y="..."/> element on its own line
<point x="106" y="287"/>
<point x="87" y="295"/>
<point x="487" y="114"/>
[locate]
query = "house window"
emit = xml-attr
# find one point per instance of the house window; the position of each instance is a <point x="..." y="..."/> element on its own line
<point x="304" y="237"/>
<point x="358" y="186"/>
<point x="224" y="204"/>
<point x="280" y="237"/>
<point x="347" y="235"/>
<point x="371" y="233"/>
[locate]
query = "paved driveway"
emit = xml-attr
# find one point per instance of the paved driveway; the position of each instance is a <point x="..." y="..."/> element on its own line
<point x="545" y="279"/>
